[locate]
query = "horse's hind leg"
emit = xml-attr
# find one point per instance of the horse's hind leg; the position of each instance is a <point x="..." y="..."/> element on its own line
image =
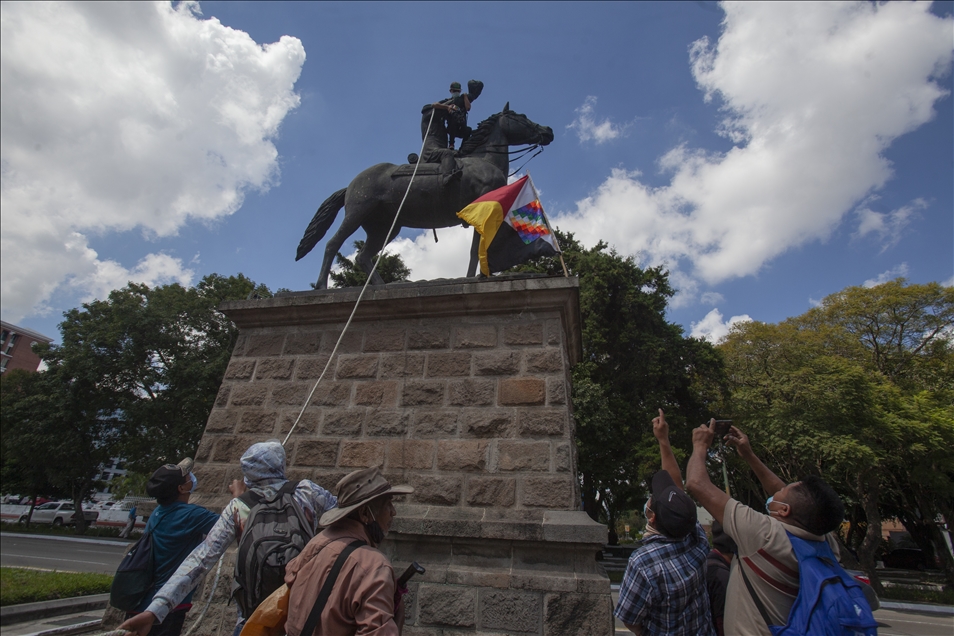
<point x="377" y="235"/>
<point x="350" y="224"/>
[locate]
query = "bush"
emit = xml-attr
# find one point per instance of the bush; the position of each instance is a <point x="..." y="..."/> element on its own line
<point x="913" y="595"/>
<point x="29" y="586"/>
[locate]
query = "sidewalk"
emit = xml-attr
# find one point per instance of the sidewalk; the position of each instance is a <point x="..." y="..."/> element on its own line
<point x="63" y="616"/>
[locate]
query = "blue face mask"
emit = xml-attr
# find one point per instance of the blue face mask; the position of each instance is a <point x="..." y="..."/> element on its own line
<point x="770" y="500"/>
<point x="195" y="482"/>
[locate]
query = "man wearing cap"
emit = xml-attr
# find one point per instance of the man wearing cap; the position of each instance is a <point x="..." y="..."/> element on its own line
<point x="263" y="470"/>
<point x="177" y="527"/>
<point x="364" y="598"/>
<point x="664" y="587"/>
<point x="766" y="565"/>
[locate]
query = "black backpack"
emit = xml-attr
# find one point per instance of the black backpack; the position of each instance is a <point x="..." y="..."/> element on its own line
<point x="275" y="533"/>
<point x="134" y="576"/>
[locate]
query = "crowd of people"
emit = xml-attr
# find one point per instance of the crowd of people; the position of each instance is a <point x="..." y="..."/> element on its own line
<point x="750" y="579"/>
<point x="308" y="561"/>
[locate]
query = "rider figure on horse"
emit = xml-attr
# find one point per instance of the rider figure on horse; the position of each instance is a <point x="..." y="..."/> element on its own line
<point x="452" y="124"/>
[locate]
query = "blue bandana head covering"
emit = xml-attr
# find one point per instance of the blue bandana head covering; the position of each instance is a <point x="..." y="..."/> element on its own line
<point x="264" y="463"/>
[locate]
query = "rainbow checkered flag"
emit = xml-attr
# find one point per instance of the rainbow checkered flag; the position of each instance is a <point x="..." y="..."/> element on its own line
<point x="512" y="225"/>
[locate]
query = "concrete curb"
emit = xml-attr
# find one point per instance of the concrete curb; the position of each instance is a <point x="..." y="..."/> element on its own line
<point x="947" y="610"/>
<point x="943" y="610"/>
<point x="51" y="537"/>
<point x="12" y="614"/>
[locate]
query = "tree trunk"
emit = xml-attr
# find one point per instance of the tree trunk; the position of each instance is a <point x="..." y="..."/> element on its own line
<point x="942" y="547"/>
<point x="868" y="489"/>
<point x="78" y="507"/>
<point x="848" y="559"/>
<point x="590" y="505"/>
<point x="32" y="507"/>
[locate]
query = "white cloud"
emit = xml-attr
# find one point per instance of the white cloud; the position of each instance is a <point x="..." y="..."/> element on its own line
<point x="814" y="302"/>
<point x="712" y="327"/>
<point x="711" y="298"/>
<point x="949" y="282"/>
<point x="887" y="226"/>
<point x="121" y="117"/>
<point x="813" y="94"/>
<point x="589" y="129"/>
<point x="900" y="271"/>
<point x="427" y="260"/>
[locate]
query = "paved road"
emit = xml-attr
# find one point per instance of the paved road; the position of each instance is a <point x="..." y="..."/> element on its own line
<point x="890" y="623"/>
<point x="60" y="553"/>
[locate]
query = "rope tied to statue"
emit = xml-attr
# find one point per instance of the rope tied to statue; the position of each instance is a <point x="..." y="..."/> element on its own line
<point x="363" y="289"/>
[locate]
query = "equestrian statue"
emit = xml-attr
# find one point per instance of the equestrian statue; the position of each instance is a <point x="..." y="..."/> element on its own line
<point x="440" y="190"/>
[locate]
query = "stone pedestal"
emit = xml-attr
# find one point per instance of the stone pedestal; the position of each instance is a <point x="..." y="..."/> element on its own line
<point x="459" y="388"/>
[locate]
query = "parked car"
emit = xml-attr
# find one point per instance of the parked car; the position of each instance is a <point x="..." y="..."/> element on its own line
<point x="59" y="513"/>
<point x="905" y="559"/>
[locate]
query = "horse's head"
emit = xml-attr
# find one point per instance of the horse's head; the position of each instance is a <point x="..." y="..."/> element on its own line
<point x="519" y="129"/>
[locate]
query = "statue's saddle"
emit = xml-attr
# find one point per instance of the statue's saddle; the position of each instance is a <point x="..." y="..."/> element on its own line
<point x="423" y="169"/>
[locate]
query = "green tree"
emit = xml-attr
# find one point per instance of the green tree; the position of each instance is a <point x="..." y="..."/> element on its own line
<point x="24" y="452"/>
<point x="154" y="359"/>
<point x="56" y="421"/>
<point x="633" y="363"/>
<point x="391" y="268"/>
<point x="858" y="391"/>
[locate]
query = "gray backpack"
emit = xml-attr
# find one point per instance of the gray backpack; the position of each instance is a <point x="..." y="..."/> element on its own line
<point x="275" y="533"/>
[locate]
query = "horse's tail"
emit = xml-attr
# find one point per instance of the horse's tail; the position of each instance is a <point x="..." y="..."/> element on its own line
<point x="322" y="220"/>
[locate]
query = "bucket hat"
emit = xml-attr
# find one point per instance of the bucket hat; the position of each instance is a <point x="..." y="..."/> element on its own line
<point x="358" y="488"/>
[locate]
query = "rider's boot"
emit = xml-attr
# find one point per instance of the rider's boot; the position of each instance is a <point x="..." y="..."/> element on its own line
<point x="450" y="172"/>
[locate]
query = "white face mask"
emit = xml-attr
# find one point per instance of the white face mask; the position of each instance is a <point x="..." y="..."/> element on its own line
<point x="195" y="482"/>
<point x="455" y="93"/>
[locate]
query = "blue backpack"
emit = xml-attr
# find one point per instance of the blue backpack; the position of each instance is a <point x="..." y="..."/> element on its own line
<point x="830" y="601"/>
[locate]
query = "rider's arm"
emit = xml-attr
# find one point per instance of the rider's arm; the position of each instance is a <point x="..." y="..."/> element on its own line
<point x="467" y="103"/>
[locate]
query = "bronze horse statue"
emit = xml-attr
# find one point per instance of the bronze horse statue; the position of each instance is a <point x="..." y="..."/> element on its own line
<point x="373" y="197"/>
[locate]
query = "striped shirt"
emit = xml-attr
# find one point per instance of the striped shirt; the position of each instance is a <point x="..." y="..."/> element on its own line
<point x="770" y="566"/>
<point x="664" y="588"/>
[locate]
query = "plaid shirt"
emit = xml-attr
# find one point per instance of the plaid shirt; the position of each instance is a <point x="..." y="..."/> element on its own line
<point x="664" y="588"/>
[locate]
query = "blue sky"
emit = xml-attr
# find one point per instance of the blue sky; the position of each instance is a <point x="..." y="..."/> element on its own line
<point x="768" y="154"/>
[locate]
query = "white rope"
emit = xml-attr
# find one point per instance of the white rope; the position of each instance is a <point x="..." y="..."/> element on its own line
<point x="208" y="601"/>
<point x="366" y="283"/>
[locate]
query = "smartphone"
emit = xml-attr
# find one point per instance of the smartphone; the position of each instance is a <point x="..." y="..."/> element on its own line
<point x="722" y="428"/>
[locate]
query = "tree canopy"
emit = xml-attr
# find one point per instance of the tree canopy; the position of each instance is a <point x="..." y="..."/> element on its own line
<point x="135" y="377"/>
<point x="391" y="268"/>
<point x="860" y="391"/>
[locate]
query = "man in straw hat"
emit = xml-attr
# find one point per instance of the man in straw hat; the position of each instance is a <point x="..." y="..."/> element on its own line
<point x="363" y="599"/>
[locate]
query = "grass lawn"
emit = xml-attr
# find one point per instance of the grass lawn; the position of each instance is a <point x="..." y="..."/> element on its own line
<point x="19" y="585"/>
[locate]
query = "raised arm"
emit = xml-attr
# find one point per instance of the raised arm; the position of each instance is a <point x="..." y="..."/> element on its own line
<point x="710" y="496"/>
<point x="669" y="464"/>
<point x="769" y="480"/>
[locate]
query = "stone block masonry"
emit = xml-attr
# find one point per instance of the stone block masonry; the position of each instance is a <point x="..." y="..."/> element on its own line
<point x="458" y="388"/>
